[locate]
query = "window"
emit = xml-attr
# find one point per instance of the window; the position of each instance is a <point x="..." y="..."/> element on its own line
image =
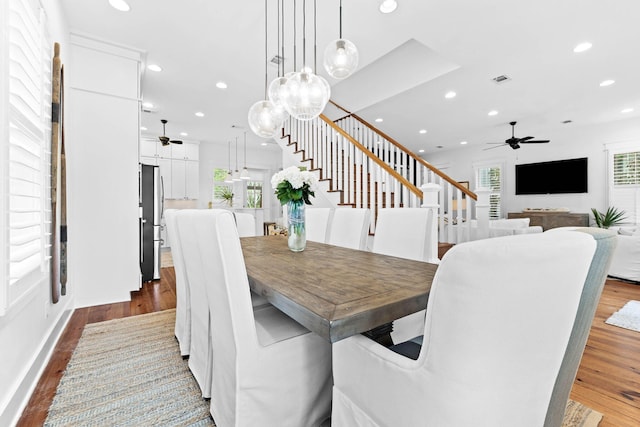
<point x="222" y="191"/>
<point x="490" y="176"/>
<point x="624" y="180"/>
<point x="254" y="194"/>
<point x="27" y="162"/>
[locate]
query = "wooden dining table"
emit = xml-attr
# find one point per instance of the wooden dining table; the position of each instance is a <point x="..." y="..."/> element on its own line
<point x="334" y="291"/>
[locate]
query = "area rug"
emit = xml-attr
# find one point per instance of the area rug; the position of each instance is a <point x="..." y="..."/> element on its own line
<point x="129" y="372"/>
<point x="627" y="317"/>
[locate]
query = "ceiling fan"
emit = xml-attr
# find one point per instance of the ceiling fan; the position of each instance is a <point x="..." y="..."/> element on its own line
<point x="165" y="139"/>
<point x="514" y="142"/>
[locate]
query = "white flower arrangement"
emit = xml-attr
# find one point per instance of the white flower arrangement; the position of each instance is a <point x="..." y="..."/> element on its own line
<point x="294" y="184"/>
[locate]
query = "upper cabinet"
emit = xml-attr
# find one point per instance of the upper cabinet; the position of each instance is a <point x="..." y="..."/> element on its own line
<point x="179" y="166"/>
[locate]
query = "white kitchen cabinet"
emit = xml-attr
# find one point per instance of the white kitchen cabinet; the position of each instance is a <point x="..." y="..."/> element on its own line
<point x="179" y="167"/>
<point x="184" y="179"/>
<point x="178" y="179"/>
<point x="192" y="179"/>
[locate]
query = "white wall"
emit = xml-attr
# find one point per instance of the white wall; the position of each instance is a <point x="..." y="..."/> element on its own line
<point x="571" y="141"/>
<point x="30" y="328"/>
<point x="102" y="122"/>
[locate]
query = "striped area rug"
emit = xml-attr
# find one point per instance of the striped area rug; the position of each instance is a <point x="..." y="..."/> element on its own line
<point x="129" y="372"/>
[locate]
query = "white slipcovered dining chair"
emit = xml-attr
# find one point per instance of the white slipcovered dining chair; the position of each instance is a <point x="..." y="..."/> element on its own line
<point x="246" y="224"/>
<point x="183" y="298"/>
<point x="507" y="321"/>
<point x="200" y="359"/>
<point x="405" y="233"/>
<point x="350" y="228"/>
<point x="267" y="369"/>
<point x="317" y="223"/>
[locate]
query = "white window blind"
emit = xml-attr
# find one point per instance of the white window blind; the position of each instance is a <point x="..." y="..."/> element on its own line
<point x="29" y="118"/>
<point x="625" y="183"/>
<point x="491" y="177"/>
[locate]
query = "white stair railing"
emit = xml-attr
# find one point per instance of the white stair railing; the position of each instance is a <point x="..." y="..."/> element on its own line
<point x="370" y="169"/>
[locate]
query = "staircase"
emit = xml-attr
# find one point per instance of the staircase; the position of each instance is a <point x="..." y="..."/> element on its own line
<point x="359" y="166"/>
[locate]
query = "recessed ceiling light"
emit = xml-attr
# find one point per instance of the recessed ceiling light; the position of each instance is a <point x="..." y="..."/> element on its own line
<point x="221" y="85"/>
<point x="184" y="134"/>
<point x="420" y="151"/>
<point x="379" y="120"/>
<point x="154" y="67"/>
<point x="422" y="131"/>
<point x="627" y="110"/>
<point x="439" y="146"/>
<point x="143" y="128"/>
<point x="450" y="94"/>
<point x="493" y="113"/>
<point x="463" y="142"/>
<point x="120" y="5"/>
<point x="264" y="144"/>
<point x="200" y="114"/>
<point x="388" y="6"/>
<point x="147" y="104"/>
<point x="582" y="47"/>
<point x="607" y="83"/>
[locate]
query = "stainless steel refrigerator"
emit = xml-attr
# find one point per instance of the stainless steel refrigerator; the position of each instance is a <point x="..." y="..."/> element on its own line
<point x="151" y="207"/>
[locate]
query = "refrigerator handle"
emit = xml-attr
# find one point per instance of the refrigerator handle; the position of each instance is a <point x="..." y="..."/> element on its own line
<point x="161" y="198"/>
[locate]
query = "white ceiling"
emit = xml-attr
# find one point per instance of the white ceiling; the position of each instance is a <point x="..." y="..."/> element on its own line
<point x="408" y="60"/>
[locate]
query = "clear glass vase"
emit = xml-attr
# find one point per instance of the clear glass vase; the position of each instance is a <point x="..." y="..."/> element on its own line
<point x="297" y="234"/>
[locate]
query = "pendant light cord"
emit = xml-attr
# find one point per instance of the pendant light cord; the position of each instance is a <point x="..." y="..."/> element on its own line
<point x="315" y="39"/>
<point x="340" y="18"/>
<point x="266" y="53"/>
<point x="295" y="48"/>
<point x="282" y="30"/>
<point x="245" y="150"/>
<point x="304" y="33"/>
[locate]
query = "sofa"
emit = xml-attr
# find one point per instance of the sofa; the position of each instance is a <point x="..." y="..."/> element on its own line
<point x="625" y="263"/>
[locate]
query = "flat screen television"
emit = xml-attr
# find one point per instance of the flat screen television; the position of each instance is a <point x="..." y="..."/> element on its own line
<point x="556" y="177"/>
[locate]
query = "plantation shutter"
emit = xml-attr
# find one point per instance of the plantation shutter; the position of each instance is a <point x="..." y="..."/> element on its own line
<point x="29" y="128"/>
<point x="624" y="189"/>
<point x="491" y="177"/>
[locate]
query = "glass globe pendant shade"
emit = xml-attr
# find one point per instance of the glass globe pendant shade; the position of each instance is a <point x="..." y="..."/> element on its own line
<point x="277" y="94"/>
<point x="278" y="89"/>
<point x="340" y="58"/>
<point x="265" y="118"/>
<point x="307" y="95"/>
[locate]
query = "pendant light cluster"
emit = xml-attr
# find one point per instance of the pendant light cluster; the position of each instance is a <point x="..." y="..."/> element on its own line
<point x="301" y="94"/>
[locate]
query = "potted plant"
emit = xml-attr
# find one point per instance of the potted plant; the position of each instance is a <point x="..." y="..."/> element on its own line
<point x="226" y="193"/>
<point x="613" y="216"/>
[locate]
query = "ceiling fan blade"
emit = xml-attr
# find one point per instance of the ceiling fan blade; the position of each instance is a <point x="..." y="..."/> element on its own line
<point x="496" y="143"/>
<point x="175" y="141"/>
<point x="164" y="140"/>
<point x="536" y="141"/>
<point x="502" y="144"/>
<point x="526" y="138"/>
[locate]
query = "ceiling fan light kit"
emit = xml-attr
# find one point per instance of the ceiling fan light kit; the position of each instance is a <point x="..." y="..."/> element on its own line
<point x="164" y="139"/>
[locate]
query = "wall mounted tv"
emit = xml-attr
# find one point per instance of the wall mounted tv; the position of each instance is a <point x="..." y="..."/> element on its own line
<point x="556" y="177"/>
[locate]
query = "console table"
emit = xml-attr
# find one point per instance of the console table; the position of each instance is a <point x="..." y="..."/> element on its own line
<point x="550" y="219"/>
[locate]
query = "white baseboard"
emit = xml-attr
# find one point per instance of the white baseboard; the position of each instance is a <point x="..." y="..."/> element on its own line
<point x="13" y="411"/>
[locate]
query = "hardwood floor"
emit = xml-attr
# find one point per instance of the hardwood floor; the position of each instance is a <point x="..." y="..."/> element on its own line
<point x="608" y="379"/>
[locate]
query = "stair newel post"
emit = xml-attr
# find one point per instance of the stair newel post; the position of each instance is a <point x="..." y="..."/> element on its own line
<point x="430" y="201"/>
<point x="482" y="213"/>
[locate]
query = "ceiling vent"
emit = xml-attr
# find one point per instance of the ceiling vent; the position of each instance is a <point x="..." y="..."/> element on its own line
<point x="501" y="79"/>
<point x="276" y="60"/>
